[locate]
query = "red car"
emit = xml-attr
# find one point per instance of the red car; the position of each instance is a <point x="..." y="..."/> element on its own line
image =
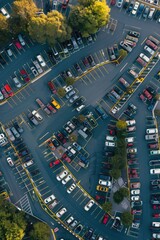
<point x="66" y="158"/>
<point x="156" y="215"/>
<point x="61" y="138"/>
<point x="147" y="94"/>
<point x="4" y="93"/>
<point x="18" y="45"/>
<point x="8" y="90"/>
<point x="143" y="98"/>
<point x="65" y="4"/>
<point x="130" y="145"/>
<point x="112" y="132"/>
<point x="25" y="76"/>
<point x="54" y="163"/>
<point x="156" y="206"/>
<point x="113" y="2"/>
<point x="52" y="87"/>
<point x="52" y="109"/>
<point x="105" y="218"/>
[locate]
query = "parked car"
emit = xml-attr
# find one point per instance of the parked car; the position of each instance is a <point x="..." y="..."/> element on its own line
<point x="24" y="75"/>
<point x="88" y="206"/>
<point x="41" y="60"/>
<point x="17" y="82"/>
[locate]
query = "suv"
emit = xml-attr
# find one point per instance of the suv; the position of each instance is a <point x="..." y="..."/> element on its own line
<point x="125" y="46"/>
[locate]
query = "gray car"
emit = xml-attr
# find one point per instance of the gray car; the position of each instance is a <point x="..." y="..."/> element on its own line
<point x="73" y="99"/>
<point x="15" y="132"/>
<point x="70" y="94"/>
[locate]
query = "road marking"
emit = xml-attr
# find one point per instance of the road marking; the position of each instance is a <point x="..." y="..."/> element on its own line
<point x="123" y="67"/>
<point x="143" y="41"/>
<point x="43" y="136"/>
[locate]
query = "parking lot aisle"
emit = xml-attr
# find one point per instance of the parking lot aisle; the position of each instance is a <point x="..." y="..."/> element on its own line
<point x="25" y="204"/>
<point x="133" y="232"/>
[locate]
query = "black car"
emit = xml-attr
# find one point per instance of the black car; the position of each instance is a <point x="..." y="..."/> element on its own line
<point x="130" y="8"/>
<point x="157" y="15"/>
<point x="35" y="172"/>
<point x="78" y="68"/>
<point x="55" y="142"/>
<point x="116" y="50"/>
<point x="51" y="57"/>
<point x="88" y="234"/>
<point x="2" y="61"/>
<point x="18" y="141"/>
<point x="91" y="60"/>
<point x="78" y="103"/>
<point x="151" y="90"/>
<point x="18" y="128"/>
<point x="118" y="90"/>
<point x="75" y="120"/>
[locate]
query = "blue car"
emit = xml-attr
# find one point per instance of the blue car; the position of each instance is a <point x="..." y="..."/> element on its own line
<point x="101" y="112"/>
<point x="140" y="10"/>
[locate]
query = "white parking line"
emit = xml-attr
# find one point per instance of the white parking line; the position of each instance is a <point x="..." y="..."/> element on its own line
<point x="123" y="67"/>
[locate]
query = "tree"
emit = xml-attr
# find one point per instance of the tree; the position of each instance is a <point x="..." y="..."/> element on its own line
<point x="69" y="81"/>
<point x="61" y="92"/>
<point x="37" y="28"/>
<point x="124" y="191"/>
<point x="73" y="137"/>
<point x="107" y="207"/>
<point x="49" y="28"/>
<point x="24" y="10"/>
<point x="115" y="173"/>
<point x="40" y="231"/>
<point x="122" y="54"/>
<point x="81" y="118"/>
<point x="89" y="17"/>
<point x="117" y="197"/>
<point x="4" y="29"/>
<point x="121" y="125"/>
<point x="127" y="219"/>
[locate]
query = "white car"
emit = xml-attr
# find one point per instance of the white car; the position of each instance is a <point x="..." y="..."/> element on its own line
<point x="80" y="108"/>
<point x="88" y="206"/>
<point x="37" y="115"/>
<point x="135" y="192"/>
<point x="70" y="124"/>
<point x="110" y="144"/>
<point x="10" y="161"/>
<point x="21" y="40"/>
<point x="132" y="150"/>
<point x="1" y="96"/>
<point x="9" y="52"/>
<point x="151" y="130"/>
<point x="71" y="188"/>
<point x="130" y="122"/>
<point x="61" y="175"/>
<point x="5" y="13"/>
<point x="67" y="179"/>
<point x="41" y="60"/>
<point x="156" y="235"/>
<point x="105" y="183"/>
<point x="119" y="3"/>
<point x="27" y="164"/>
<point x="70" y="219"/>
<point x="61" y="212"/>
<point x="71" y="150"/>
<point x="134" y="11"/>
<point x="49" y="199"/>
<point x="144" y="57"/>
<point x="17" y="82"/>
<point x="155" y="152"/>
<point x="129" y="139"/>
<point x="111" y="138"/>
<point x="68" y="88"/>
<point x="149" y="50"/>
<point x="135" y="198"/>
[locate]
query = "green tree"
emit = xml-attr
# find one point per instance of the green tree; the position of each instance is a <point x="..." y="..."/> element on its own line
<point x="89" y="17"/>
<point x="37" y="28"/>
<point x="61" y="92"/>
<point x="117" y="197"/>
<point x="124" y="191"/>
<point x="73" y="137"/>
<point x="81" y="118"/>
<point x="122" y="54"/>
<point x="107" y="207"/>
<point x="69" y="80"/>
<point x="121" y="125"/>
<point x="86" y="3"/>
<point x="127" y="219"/>
<point x="24" y="10"/>
<point x="40" y="232"/>
<point x="115" y="173"/>
<point x="4" y="29"/>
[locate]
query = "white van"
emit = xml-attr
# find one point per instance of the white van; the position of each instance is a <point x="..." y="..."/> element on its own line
<point x="61" y="175"/>
<point x="27" y="164"/>
<point x="111" y="138"/>
<point x="151" y="130"/>
<point x="155" y="171"/>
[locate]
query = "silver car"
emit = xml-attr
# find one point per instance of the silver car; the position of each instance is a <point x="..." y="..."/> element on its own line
<point x="17" y="82"/>
<point x="73" y="99"/>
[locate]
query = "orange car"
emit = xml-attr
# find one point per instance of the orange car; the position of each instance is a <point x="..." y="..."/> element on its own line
<point x="50" y="145"/>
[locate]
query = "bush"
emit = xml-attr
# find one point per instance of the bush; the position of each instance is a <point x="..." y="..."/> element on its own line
<point x="115" y="173"/>
<point x="124" y="191"/>
<point x="117" y="197"/>
<point x="69" y="81"/>
<point x="61" y="92"/>
<point x="127" y="219"/>
<point x="107" y="207"/>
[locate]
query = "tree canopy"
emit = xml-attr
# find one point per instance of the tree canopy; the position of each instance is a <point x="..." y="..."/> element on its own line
<point x="127" y="218"/>
<point x="40" y="231"/>
<point x="89" y="16"/>
<point x="49" y="28"/>
<point x="4" y="29"/>
<point x="107" y="206"/>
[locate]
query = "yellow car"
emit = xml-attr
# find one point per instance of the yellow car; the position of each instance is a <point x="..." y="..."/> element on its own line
<point x="102" y="188"/>
<point x="56" y="104"/>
